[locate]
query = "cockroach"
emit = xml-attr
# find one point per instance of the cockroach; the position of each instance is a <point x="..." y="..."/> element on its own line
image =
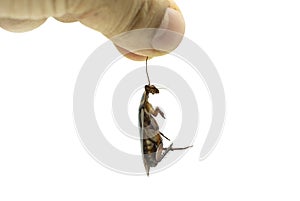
<point x="151" y="138"/>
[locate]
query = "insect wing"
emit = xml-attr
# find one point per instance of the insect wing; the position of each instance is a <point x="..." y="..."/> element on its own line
<point x="142" y="134"/>
<point x="141" y="126"/>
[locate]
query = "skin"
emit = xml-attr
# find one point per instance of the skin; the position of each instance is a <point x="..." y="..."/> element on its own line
<point x="110" y="17"/>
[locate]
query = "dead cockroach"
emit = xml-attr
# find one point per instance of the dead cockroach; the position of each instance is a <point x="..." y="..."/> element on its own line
<point x="151" y="138"/>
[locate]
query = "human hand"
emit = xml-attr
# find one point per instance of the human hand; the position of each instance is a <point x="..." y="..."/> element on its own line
<point x="110" y="17"/>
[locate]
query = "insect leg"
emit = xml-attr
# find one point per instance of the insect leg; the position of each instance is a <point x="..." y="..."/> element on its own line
<point x="165" y="153"/>
<point x="158" y="111"/>
<point x="164" y="136"/>
<point x="178" y="148"/>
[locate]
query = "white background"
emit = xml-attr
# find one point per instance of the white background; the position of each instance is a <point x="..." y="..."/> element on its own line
<point x="255" y="46"/>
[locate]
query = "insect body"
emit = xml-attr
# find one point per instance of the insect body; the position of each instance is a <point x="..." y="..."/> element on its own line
<point x="151" y="138"/>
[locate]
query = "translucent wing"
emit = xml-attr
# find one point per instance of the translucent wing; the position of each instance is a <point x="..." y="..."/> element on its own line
<point x="142" y="134"/>
<point x="141" y="127"/>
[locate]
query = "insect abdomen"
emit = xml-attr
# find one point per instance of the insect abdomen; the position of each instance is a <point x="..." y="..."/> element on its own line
<point x="150" y="147"/>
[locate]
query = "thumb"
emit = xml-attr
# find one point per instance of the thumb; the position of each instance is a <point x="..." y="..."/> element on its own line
<point x="113" y="18"/>
<point x="119" y="18"/>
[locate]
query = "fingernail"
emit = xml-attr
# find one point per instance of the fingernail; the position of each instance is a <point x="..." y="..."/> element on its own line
<point x="170" y="32"/>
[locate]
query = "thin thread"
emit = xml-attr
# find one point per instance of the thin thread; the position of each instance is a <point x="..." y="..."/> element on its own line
<point x="147" y="70"/>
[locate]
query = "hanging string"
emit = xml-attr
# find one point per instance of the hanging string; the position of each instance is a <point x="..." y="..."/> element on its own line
<point x="147" y="70"/>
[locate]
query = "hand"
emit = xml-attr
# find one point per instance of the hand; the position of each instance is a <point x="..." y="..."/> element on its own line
<point x="110" y="17"/>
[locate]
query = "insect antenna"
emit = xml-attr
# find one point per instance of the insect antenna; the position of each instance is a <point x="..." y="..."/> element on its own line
<point x="147" y="70"/>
